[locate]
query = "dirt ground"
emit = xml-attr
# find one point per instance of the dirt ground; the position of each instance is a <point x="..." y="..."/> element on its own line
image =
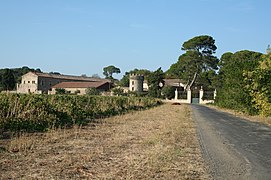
<point x="159" y="143"/>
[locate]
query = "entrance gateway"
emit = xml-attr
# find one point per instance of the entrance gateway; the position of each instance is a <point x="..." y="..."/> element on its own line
<point x="195" y="97"/>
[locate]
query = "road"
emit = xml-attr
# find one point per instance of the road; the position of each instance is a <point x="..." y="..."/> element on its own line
<point x="233" y="148"/>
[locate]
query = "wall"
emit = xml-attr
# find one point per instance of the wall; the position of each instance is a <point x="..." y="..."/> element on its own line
<point x="71" y="90"/>
<point x="136" y="83"/>
<point x="29" y="84"/>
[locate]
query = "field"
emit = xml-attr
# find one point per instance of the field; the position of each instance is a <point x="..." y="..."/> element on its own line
<point x="32" y="113"/>
<point x="158" y="143"/>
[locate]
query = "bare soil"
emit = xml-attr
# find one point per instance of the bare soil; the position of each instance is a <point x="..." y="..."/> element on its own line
<point x="159" y="143"/>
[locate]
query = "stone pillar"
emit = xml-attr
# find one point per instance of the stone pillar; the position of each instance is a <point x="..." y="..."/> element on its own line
<point x="176" y="94"/>
<point x="189" y="96"/>
<point x="214" y="94"/>
<point x="201" y="96"/>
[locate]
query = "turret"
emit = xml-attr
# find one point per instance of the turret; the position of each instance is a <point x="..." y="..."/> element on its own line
<point x="136" y="82"/>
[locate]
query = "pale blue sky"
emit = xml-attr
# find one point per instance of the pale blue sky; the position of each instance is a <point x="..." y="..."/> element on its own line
<point x="83" y="36"/>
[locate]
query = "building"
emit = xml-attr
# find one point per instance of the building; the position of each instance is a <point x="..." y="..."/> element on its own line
<point x="176" y="83"/>
<point x="42" y="83"/>
<point x="80" y="87"/>
<point x="136" y="82"/>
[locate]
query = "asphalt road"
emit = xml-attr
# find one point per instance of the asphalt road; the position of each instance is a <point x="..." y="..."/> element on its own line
<point x="233" y="148"/>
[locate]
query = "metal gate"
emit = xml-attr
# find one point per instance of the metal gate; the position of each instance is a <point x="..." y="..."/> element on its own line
<point x="195" y="97"/>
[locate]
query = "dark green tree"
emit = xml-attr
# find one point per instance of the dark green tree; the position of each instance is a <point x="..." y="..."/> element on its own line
<point x="109" y="71"/>
<point x="8" y="80"/>
<point x="61" y="91"/>
<point x="198" y="58"/>
<point x="168" y="92"/>
<point x="155" y="82"/>
<point x="232" y="92"/>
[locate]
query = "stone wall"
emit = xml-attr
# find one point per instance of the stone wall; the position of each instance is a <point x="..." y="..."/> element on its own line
<point x="29" y="84"/>
<point x="136" y="83"/>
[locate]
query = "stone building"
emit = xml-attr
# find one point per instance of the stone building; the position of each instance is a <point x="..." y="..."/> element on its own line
<point x="41" y="83"/>
<point x="80" y="87"/>
<point x="136" y="82"/>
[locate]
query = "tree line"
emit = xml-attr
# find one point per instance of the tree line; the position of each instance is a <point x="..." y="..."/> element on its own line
<point x="10" y="76"/>
<point x="242" y="79"/>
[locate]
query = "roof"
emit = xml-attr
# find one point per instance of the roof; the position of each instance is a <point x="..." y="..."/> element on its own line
<point x="79" y="84"/>
<point x="68" y="77"/>
<point x="174" y="82"/>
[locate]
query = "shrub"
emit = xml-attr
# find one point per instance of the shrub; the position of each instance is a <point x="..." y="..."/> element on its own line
<point x="32" y="112"/>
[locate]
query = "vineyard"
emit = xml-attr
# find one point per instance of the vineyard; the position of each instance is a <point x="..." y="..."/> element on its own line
<point x="42" y="112"/>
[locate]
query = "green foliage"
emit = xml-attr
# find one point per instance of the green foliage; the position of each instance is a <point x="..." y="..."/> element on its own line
<point x="8" y="80"/>
<point x="124" y="82"/>
<point x="204" y="44"/>
<point x="13" y="76"/>
<point x="232" y="94"/>
<point x="197" y="59"/>
<point x="154" y="81"/>
<point x="168" y="92"/>
<point x="109" y="71"/>
<point x="258" y="83"/>
<point x="60" y="91"/>
<point x="31" y="112"/>
<point x="92" y="91"/>
<point x="117" y="91"/>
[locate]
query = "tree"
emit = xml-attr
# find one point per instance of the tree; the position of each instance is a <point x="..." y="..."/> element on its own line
<point x="96" y="76"/>
<point x="117" y="91"/>
<point x="124" y="82"/>
<point x="258" y="83"/>
<point x="197" y="59"/>
<point x="268" y="50"/>
<point x="168" y="92"/>
<point x="8" y="80"/>
<point x="155" y="82"/>
<point x="109" y="71"/>
<point x="92" y="91"/>
<point x="61" y="91"/>
<point x="232" y="94"/>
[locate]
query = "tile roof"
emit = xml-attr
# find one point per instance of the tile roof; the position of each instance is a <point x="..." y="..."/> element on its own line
<point x="68" y="77"/>
<point x="174" y="82"/>
<point x="79" y="84"/>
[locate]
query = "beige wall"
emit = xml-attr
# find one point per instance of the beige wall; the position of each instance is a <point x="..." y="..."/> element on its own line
<point x="72" y="90"/>
<point x="29" y="84"/>
<point x="136" y="83"/>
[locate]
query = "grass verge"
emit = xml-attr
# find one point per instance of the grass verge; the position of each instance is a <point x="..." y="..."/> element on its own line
<point x="258" y="118"/>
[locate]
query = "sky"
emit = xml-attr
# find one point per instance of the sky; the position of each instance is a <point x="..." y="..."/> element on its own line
<point x="78" y="37"/>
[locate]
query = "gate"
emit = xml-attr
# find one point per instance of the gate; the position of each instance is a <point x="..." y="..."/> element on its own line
<point x="195" y="97"/>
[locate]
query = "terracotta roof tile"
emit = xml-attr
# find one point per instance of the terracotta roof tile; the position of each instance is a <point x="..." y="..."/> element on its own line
<point x="68" y="77"/>
<point x="79" y="84"/>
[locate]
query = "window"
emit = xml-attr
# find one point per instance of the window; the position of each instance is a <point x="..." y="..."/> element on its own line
<point x="33" y="82"/>
<point x="133" y="88"/>
<point x="28" y="82"/>
<point x="133" y="82"/>
<point x="24" y="82"/>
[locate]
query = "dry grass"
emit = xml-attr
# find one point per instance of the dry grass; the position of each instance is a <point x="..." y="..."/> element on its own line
<point x="159" y="143"/>
<point x="261" y="119"/>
